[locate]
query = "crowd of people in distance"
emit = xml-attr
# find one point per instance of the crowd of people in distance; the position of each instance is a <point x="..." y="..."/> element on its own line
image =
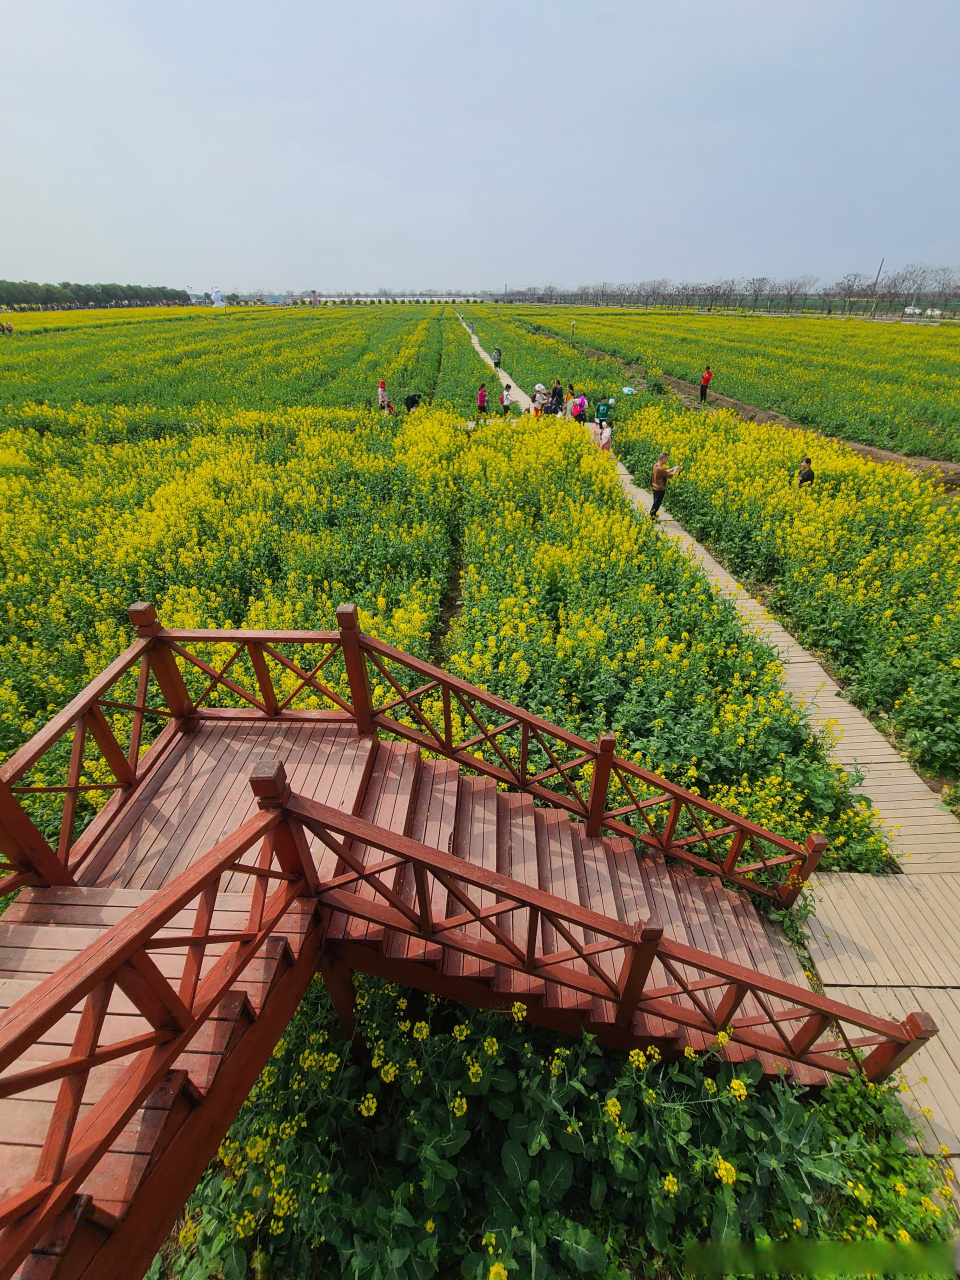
<point x="561" y="403"/>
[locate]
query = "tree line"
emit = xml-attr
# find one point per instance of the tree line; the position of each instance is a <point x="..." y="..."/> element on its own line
<point x="27" y="295"/>
<point x="915" y="286"/>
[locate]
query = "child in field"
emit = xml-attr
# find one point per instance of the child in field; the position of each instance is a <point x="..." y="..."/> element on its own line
<point x="705" y="382"/>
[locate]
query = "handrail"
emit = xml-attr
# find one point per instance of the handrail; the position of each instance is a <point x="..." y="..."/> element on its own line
<point x="404" y="905"/>
<point x="739" y="858"/>
<point x="172" y="1013"/>
<point x="600" y="956"/>
<point x="421" y="703"/>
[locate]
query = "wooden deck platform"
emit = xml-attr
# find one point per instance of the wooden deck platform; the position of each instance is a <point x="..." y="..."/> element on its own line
<point x="153" y="961"/>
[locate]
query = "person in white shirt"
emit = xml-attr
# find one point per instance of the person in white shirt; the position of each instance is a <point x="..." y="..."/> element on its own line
<point x="506" y="400"/>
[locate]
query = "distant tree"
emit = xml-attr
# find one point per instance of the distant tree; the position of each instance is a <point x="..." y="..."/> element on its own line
<point x="796" y="286"/>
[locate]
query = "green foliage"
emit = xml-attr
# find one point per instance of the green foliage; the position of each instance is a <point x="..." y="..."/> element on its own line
<point x="865" y="569"/>
<point x="473" y="1144"/>
<point x="27" y="293"/>
<point x="578" y="608"/>
<point x="167" y="369"/>
<point x="891" y="385"/>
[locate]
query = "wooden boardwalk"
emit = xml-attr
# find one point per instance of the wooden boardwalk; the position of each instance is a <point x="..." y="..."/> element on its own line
<point x="878" y="942"/>
<point x="913" y="921"/>
<point x="152" y="961"/>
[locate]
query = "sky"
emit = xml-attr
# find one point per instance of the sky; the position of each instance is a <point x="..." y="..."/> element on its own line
<point x="301" y="144"/>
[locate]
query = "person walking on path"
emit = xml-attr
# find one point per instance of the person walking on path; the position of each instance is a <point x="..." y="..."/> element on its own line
<point x="497" y="356"/>
<point x="540" y="397"/>
<point x="705" y="382"/>
<point x="382" y="400"/>
<point x="506" y="399"/>
<point x="482" y="400"/>
<point x="556" y="398"/>
<point x="662" y="475"/>
<point x="568" y="400"/>
<point x="472" y="329"/>
<point x="806" y="473"/>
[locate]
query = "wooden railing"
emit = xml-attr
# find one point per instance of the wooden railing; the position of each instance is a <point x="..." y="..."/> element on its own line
<point x="590" y="953"/>
<point x="346" y="674"/>
<point x="166" y="1014"/>
<point x="602" y="957"/>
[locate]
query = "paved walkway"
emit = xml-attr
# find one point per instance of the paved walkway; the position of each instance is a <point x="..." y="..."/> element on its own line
<point x="519" y="395"/>
<point x="890" y="944"/>
<point x="886" y="943"/>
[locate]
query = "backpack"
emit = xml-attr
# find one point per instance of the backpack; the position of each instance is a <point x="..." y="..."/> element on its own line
<point x="501" y="397"/>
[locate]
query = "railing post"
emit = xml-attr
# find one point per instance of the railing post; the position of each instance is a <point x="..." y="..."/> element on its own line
<point x="793" y="885"/>
<point x="269" y="784"/>
<point x="356" y="664"/>
<point x="887" y="1058"/>
<point x="636" y="968"/>
<point x="600" y="782"/>
<point x="143" y="615"/>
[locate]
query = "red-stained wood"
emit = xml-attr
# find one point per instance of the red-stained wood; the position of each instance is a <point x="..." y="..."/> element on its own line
<point x="41" y="742"/>
<point x="207" y="907"/>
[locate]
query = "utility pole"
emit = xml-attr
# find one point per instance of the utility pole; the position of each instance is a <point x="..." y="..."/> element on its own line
<point x="876" y="281"/>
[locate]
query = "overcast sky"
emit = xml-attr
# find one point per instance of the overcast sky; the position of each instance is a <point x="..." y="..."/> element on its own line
<point x="360" y="144"/>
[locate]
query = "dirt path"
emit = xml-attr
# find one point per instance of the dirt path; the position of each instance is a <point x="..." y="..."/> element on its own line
<point x="945" y="473"/>
<point x="519" y="395"/>
<point x="949" y="472"/>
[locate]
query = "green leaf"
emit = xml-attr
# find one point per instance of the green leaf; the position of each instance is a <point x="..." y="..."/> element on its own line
<point x="505" y="1081"/>
<point x="557" y="1176"/>
<point x="516" y="1163"/>
<point x="598" y="1189"/>
<point x="502" y="1108"/>
<point x="234" y="1262"/>
<point x="582" y="1248"/>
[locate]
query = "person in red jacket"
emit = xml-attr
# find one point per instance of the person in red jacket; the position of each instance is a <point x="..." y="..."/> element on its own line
<point x="705" y="382"/>
<point x="482" y="400"/>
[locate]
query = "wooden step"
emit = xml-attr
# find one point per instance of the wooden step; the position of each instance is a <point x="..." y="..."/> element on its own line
<point x="388" y="803"/>
<point x="33" y="944"/>
<point x="556" y="864"/>
<point x="432" y="821"/>
<point x="474" y="840"/>
<point x="517" y="858"/>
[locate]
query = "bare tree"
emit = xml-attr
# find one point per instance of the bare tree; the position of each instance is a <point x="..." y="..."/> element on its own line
<point x="796" y="286"/>
<point x="758" y="287"/>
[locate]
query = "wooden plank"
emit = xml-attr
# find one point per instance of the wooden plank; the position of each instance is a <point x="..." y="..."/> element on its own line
<point x="153" y="818"/>
<point x="432" y="822"/>
<point x="517" y="858"/>
<point x="298" y="748"/>
<point x="475" y="841"/>
<point x="221" y="805"/>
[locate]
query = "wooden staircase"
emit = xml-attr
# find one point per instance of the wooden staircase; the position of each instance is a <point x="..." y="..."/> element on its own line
<point x="152" y="961"/>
